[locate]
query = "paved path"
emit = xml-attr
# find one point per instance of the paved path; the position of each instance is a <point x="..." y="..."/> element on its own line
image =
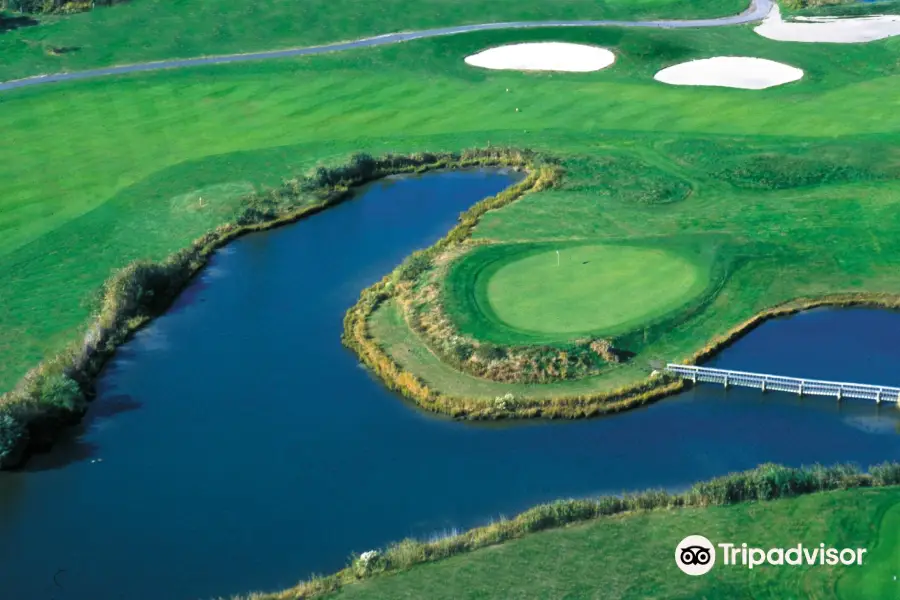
<point x="757" y="10"/>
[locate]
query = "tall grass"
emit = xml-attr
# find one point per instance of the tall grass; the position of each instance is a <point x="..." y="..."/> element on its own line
<point x="55" y="394"/>
<point x="764" y="483"/>
<point x="357" y="337"/>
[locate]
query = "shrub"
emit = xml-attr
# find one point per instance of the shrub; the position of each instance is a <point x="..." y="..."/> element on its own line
<point x="487" y="352"/>
<point x="885" y="474"/>
<point x="62" y="392"/>
<point x="414" y="265"/>
<point x="13" y="433"/>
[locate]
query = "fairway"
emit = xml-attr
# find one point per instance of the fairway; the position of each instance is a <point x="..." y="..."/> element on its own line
<point x="591" y="288"/>
<point x="144" y="30"/>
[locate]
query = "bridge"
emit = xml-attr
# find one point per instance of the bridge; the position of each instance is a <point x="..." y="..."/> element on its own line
<point x="795" y="385"/>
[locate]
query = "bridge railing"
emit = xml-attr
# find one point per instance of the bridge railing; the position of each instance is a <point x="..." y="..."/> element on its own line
<point x="799" y="385"/>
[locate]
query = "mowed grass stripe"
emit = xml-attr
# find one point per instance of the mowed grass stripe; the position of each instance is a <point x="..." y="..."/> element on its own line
<point x="130" y="107"/>
<point x="123" y="131"/>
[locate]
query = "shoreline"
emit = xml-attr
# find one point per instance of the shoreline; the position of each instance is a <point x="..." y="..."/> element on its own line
<point x="641" y="393"/>
<point x="763" y="484"/>
<point x="358" y="338"/>
<point x="54" y="395"/>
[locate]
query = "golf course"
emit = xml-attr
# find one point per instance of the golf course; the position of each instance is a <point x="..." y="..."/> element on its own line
<point x="676" y="174"/>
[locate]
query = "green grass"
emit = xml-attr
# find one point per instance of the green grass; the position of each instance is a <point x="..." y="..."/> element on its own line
<point x="789" y="191"/>
<point x="632" y="556"/>
<point x="593" y="288"/>
<point x="72" y="211"/>
<point x="410" y="352"/>
<point x="881" y="577"/>
<point x="145" y="30"/>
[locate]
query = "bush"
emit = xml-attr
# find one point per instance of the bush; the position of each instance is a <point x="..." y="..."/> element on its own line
<point x="414" y="265"/>
<point x="13" y="434"/>
<point x="487" y="352"/>
<point x="53" y="6"/>
<point x="885" y="474"/>
<point x="62" y="392"/>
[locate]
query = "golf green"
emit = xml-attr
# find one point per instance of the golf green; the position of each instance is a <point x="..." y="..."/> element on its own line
<point x="590" y="288"/>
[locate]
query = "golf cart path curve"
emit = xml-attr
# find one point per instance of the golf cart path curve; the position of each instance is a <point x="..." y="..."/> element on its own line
<point x="757" y="10"/>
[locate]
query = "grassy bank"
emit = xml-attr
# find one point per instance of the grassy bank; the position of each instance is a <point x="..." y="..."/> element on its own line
<point x="358" y="335"/>
<point x="637" y="534"/>
<point x="757" y="271"/>
<point x="54" y="394"/>
<point x="119" y="195"/>
<point x="806" y="217"/>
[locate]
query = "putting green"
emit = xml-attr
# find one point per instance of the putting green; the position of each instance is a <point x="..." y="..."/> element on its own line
<point x="591" y="288"/>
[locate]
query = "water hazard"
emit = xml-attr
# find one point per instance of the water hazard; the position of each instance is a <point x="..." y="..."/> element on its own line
<point x="236" y="445"/>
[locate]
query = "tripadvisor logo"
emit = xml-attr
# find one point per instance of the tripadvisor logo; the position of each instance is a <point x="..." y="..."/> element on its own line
<point x="696" y="555"/>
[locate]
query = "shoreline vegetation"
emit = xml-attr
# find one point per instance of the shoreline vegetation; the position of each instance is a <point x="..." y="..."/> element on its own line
<point x="414" y="287"/>
<point x="764" y="483"/>
<point x="55" y="394"/>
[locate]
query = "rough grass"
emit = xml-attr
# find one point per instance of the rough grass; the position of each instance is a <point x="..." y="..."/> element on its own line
<point x="397" y="571"/>
<point x="631" y="557"/>
<point x="409" y="351"/>
<point x="145" y="30"/>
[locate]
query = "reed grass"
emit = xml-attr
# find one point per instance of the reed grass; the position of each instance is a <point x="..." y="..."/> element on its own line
<point x="764" y="483"/>
<point x="54" y="394"/>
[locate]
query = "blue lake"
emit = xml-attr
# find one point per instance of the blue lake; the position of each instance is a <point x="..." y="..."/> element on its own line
<point x="236" y="445"/>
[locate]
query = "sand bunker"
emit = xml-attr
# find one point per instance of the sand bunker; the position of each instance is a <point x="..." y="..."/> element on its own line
<point x="835" y="30"/>
<point x="544" y="56"/>
<point x="730" y="71"/>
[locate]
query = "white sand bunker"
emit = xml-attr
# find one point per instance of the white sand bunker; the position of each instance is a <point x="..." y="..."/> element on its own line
<point x="544" y="56"/>
<point x="730" y="71"/>
<point x="835" y="30"/>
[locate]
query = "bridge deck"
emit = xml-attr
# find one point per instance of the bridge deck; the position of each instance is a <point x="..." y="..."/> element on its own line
<point x="781" y="383"/>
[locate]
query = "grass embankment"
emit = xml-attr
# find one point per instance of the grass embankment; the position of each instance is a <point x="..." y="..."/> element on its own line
<point x="398" y="285"/>
<point x="738" y="164"/>
<point x="623" y="546"/>
<point x="55" y="393"/>
<point x="147" y="30"/>
<point x="751" y="262"/>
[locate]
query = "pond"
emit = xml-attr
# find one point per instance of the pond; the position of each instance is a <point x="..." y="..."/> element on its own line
<point x="236" y="445"/>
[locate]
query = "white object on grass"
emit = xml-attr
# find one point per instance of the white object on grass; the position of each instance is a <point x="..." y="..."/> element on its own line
<point x="730" y="71"/>
<point x="544" y="56"/>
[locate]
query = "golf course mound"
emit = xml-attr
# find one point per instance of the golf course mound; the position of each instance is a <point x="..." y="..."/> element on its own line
<point x="730" y="71"/>
<point x="218" y="197"/>
<point x="834" y="30"/>
<point x="544" y="56"/>
<point x="531" y="290"/>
